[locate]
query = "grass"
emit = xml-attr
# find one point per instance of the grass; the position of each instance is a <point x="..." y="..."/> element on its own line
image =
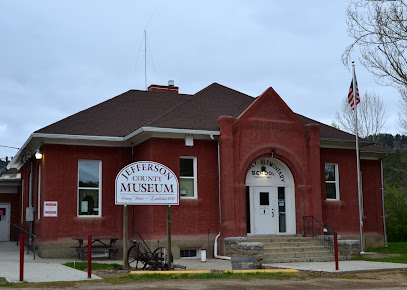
<point x="227" y="275"/>
<point x="399" y="248"/>
<point x="95" y="266"/>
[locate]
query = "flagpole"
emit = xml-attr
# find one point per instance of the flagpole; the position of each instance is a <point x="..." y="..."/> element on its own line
<point x="358" y="159"/>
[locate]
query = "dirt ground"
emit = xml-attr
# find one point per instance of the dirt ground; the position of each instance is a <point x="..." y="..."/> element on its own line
<point x="305" y="280"/>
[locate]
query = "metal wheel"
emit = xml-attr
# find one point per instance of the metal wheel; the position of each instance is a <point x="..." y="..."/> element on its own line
<point x="158" y="259"/>
<point x="137" y="257"/>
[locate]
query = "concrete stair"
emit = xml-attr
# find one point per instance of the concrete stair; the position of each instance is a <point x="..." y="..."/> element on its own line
<point x="287" y="249"/>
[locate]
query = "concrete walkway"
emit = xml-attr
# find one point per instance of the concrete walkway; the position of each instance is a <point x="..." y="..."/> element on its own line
<point x="49" y="270"/>
<point x="38" y="270"/>
<point x="344" y="266"/>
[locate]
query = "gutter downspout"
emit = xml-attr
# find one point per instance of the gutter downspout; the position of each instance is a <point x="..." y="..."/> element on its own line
<point x="30" y="199"/>
<point x="220" y="208"/>
<point x="384" y="215"/>
<point x="215" y="250"/>
<point x="215" y="247"/>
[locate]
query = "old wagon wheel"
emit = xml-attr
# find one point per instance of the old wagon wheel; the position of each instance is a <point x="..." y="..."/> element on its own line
<point x="158" y="256"/>
<point x="137" y="257"/>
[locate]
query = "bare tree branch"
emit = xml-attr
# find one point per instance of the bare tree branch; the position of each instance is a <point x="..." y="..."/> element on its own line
<point x="379" y="32"/>
<point x="372" y="117"/>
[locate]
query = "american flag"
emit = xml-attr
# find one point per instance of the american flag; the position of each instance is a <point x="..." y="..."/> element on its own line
<point x="350" y="95"/>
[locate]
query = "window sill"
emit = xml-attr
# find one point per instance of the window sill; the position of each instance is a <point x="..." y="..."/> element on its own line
<point x="188" y="198"/>
<point x="88" y="216"/>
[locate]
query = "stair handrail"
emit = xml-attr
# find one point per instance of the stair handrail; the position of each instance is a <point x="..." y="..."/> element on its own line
<point x="327" y="237"/>
<point x="31" y="239"/>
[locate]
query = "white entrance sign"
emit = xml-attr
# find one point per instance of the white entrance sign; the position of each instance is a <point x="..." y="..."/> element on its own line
<point x="146" y="183"/>
<point x="50" y="208"/>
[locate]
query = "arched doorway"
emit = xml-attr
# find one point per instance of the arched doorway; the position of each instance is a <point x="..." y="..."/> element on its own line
<point x="270" y="198"/>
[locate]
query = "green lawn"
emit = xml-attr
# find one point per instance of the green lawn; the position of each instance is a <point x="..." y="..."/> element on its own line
<point x="95" y="266"/>
<point x="398" y="248"/>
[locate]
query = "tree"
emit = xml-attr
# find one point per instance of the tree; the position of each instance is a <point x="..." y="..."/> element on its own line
<point x="372" y="117"/>
<point x="378" y="28"/>
<point x="402" y="116"/>
<point x="379" y="31"/>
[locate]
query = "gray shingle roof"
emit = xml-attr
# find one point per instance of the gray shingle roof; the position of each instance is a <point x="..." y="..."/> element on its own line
<point x="129" y="111"/>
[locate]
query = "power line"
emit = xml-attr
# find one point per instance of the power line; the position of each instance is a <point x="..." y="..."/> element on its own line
<point x="9" y="147"/>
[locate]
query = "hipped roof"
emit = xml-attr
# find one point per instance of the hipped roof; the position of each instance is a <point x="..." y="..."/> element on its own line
<point x="123" y="114"/>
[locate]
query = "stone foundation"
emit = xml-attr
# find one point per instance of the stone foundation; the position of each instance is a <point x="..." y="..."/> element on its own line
<point x="370" y="241"/>
<point x="348" y="249"/>
<point x="240" y="247"/>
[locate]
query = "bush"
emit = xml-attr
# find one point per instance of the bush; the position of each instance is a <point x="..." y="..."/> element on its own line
<point x="396" y="213"/>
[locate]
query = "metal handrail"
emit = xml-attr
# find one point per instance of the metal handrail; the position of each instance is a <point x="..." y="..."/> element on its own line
<point x="31" y="240"/>
<point x="322" y="233"/>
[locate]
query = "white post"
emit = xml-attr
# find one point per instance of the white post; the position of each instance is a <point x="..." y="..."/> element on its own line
<point x="358" y="160"/>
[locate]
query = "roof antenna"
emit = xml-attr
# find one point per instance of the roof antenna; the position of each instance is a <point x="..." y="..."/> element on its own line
<point x="145" y="58"/>
<point x="146" y="44"/>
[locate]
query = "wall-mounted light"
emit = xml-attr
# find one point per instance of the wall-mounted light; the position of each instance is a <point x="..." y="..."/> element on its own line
<point x="263" y="171"/>
<point x="38" y="154"/>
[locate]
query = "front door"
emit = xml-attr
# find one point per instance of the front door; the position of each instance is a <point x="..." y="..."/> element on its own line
<point x="265" y="210"/>
<point x="270" y="198"/>
<point x="4" y="222"/>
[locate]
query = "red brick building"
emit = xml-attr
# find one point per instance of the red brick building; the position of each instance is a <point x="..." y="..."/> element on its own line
<point x="246" y="166"/>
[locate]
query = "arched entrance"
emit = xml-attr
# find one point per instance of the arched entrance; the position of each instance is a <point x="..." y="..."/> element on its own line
<point x="270" y="198"/>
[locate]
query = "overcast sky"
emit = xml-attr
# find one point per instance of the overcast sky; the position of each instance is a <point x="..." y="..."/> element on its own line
<point x="60" y="57"/>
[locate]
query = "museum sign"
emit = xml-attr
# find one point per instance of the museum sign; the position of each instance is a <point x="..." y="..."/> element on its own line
<point x="146" y="183"/>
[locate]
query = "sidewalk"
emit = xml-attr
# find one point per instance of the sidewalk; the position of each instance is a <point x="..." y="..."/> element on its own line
<point x="344" y="266"/>
<point x="38" y="270"/>
<point x="49" y="270"/>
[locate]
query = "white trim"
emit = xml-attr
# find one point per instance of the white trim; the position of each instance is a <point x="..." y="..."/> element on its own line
<point x="15" y="162"/>
<point x="195" y="177"/>
<point x="336" y="181"/>
<point x="125" y="138"/>
<point x="92" y="188"/>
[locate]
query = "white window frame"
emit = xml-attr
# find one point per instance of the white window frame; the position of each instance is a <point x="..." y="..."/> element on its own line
<point x="336" y="181"/>
<point x="194" y="158"/>
<point x="197" y="256"/>
<point x="93" y="188"/>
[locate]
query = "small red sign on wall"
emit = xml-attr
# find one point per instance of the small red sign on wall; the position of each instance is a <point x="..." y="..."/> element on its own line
<point x="50" y="208"/>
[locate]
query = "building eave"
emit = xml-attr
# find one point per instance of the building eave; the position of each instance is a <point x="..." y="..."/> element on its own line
<point x="36" y="140"/>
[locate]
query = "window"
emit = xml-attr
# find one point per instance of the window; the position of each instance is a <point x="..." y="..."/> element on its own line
<point x="332" y="181"/>
<point x="89" y="188"/>
<point x="187" y="180"/>
<point x="188" y="253"/>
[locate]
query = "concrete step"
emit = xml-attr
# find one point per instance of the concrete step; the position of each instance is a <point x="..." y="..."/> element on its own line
<point x="267" y="260"/>
<point x="279" y="240"/>
<point x="292" y="244"/>
<point x="286" y="249"/>
<point x="271" y="249"/>
<point x="298" y="255"/>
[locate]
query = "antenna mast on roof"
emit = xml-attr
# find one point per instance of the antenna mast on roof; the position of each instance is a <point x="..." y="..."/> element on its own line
<point x="146" y="45"/>
<point x="145" y="58"/>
